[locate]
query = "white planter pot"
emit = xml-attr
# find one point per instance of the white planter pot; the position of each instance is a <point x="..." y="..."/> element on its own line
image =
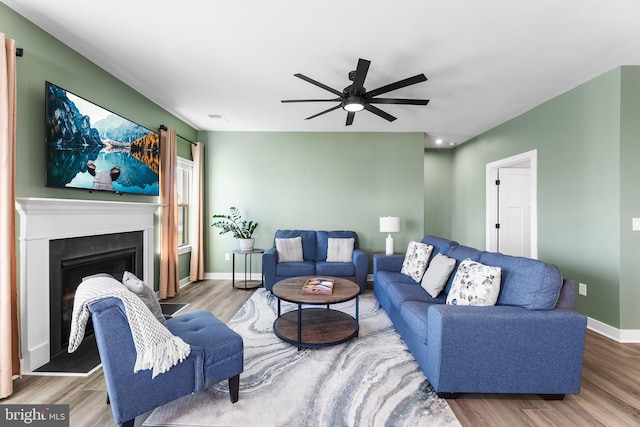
<point x="247" y="244"/>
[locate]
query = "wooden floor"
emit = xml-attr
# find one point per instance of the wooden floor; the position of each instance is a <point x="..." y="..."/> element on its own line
<point x="610" y="394"/>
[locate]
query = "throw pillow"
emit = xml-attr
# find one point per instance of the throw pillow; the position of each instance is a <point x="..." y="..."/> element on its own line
<point x="416" y="260"/>
<point x="437" y="274"/>
<point x="146" y="294"/>
<point x="289" y="250"/>
<point x="340" y="250"/>
<point x="475" y="284"/>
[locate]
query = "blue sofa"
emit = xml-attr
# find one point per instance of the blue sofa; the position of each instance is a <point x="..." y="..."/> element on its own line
<point x="530" y="342"/>
<point x="314" y="248"/>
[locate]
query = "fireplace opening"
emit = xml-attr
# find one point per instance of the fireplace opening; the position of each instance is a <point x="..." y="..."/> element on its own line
<point x="70" y="260"/>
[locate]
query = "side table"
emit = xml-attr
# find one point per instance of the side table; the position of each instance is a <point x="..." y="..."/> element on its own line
<point x="233" y="271"/>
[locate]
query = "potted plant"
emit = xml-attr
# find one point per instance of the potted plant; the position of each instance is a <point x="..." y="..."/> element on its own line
<point x="242" y="229"/>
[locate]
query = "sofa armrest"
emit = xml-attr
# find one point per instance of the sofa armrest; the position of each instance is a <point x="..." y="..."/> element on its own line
<point x="387" y="262"/>
<point x="504" y="349"/>
<point x="269" y="262"/>
<point x="360" y="260"/>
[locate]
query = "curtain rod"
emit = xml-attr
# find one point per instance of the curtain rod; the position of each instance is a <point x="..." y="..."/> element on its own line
<point x="163" y="127"/>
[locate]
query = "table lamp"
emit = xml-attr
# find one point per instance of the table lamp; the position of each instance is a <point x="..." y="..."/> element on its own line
<point x="389" y="224"/>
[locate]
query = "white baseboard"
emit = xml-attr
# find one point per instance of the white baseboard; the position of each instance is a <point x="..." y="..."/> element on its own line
<point x="254" y="276"/>
<point x="228" y="276"/>
<point x="624" y="336"/>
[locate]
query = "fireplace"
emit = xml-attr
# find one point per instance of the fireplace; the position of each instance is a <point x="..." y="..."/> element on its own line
<point x="44" y="223"/>
<point x="72" y="259"/>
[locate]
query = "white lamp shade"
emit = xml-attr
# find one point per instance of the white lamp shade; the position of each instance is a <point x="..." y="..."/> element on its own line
<point x="389" y="224"/>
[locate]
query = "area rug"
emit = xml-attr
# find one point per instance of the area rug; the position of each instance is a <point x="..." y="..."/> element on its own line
<point x="371" y="380"/>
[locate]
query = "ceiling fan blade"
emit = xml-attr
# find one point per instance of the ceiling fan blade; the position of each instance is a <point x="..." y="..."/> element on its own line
<point x="350" y="116"/>
<point x="361" y="74"/>
<point x="317" y="83"/>
<point x="398" y="101"/>
<point x="379" y="112"/>
<point x="324" y="112"/>
<point x="397" y="85"/>
<point x="312" y="100"/>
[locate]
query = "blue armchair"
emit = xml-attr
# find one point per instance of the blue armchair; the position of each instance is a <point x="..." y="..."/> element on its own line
<point x="217" y="353"/>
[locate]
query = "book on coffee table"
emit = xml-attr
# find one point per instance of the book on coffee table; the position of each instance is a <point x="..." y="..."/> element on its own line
<point x="318" y="285"/>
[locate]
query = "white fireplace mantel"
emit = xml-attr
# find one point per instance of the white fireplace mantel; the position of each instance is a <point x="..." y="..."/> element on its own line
<point x="44" y="219"/>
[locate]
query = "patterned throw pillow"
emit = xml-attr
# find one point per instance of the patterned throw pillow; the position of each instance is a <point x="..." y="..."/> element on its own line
<point x="475" y="284"/>
<point x="416" y="260"/>
<point x="289" y="250"/>
<point x="340" y="250"/>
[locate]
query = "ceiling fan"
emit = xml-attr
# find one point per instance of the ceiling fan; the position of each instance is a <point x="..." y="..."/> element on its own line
<point x="355" y="97"/>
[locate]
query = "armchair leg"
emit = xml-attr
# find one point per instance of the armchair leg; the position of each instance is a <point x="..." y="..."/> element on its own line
<point x="234" y="388"/>
<point x="129" y="423"/>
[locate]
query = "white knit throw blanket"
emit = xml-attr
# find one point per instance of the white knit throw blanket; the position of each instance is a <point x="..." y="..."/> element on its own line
<point x="156" y="347"/>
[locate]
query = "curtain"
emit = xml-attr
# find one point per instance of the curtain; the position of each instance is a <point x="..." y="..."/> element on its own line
<point x="169" y="284"/>
<point x="196" y="272"/>
<point x="9" y="332"/>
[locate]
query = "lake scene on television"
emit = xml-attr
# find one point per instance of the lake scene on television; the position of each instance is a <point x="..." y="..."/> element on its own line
<point x="92" y="148"/>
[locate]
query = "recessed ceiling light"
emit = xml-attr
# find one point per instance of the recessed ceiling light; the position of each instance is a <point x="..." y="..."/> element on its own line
<point x="438" y="141"/>
<point x="451" y="144"/>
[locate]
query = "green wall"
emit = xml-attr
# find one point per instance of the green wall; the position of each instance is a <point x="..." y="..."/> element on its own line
<point x="438" y="191"/>
<point x="47" y="59"/>
<point x="629" y="200"/>
<point x="319" y="181"/>
<point x="587" y="169"/>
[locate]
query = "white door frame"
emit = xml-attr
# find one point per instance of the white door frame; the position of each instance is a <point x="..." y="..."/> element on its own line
<point x="530" y="157"/>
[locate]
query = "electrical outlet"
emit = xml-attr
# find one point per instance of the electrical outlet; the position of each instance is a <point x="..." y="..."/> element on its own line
<point x="635" y="224"/>
<point x="227" y="257"/>
<point x="582" y="289"/>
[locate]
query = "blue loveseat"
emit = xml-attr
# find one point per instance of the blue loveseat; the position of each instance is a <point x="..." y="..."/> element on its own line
<point x="314" y="250"/>
<point x="531" y="341"/>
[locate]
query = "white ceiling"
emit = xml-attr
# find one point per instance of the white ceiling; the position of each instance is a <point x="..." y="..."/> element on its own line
<point x="486" y="61"/>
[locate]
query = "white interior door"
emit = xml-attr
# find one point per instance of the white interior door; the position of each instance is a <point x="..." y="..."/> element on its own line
<point x="516" y="208"/>
<point x="514" y="211"/>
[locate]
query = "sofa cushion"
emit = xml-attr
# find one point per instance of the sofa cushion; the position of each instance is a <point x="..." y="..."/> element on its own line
<point x="526" y="282"/>
<point x="437" y="274"/>
<point x="292" y="269"/>
<point x="340" y="269"/>
<point x="308" y="241"/>
<point x="404" y="288"/>
<point x="289" y="250"/>
<point x="146" y="294"/>
<point x="414" y="314"/>
<point x="340" y="250"/>
<point x="322" y="241"/>
<point x="416" y="260"/>
<point x="475" y="284"/>
<point x="460" y="253"/>
<point x="220" y="343"/>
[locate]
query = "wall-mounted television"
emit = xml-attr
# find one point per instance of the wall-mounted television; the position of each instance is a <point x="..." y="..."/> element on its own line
<point x="91" y="148"/>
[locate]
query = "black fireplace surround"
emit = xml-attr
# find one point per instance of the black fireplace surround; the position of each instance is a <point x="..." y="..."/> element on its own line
<point x="72" y="259"/>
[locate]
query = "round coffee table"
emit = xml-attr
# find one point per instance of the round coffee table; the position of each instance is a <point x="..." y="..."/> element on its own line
<point x="315" y="327"/>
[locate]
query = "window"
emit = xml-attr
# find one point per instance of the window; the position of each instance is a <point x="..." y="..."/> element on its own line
<point x="185" y="188"/>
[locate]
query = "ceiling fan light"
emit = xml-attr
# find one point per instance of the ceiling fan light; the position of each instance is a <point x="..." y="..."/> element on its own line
<point x="353" y="104"/>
